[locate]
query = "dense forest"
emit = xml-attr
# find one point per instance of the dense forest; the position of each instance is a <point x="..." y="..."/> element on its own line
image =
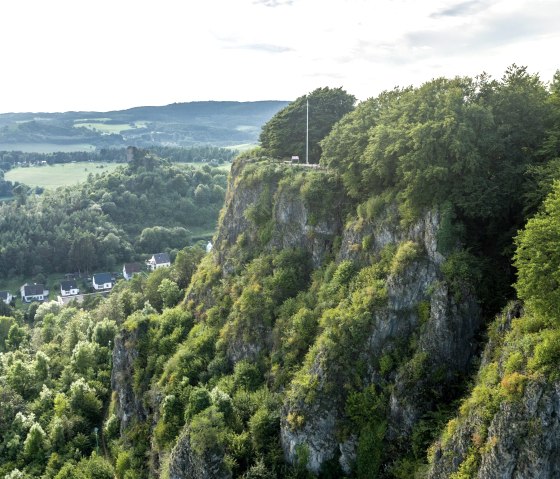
<point x="147" y="206"/>
<point x="390" y="313"/>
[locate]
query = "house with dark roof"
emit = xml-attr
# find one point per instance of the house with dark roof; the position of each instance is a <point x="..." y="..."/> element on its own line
<point x="6" y="296"/>
<point x="130" y="269"/>
<point x="102" y="281"/>
<point x="69" y="288"/>
<point x="158" y="260"/>
<point x="34" y="292"/>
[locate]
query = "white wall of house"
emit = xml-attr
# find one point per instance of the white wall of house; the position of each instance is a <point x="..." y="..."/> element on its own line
<point x="35" y="297"/>
<point x="69" y="292"/>
<point x="8" y="299"/>
<point x="152" y="265"/>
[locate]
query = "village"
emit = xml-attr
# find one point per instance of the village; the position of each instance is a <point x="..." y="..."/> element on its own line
<point x="98" y="284"/>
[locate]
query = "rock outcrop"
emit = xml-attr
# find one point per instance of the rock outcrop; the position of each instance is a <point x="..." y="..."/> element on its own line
<point x="129" y="407"/>
<point x="444" y="344"/>
<point x="504" y="430"/>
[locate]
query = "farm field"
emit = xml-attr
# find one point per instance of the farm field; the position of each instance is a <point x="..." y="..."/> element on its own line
<point x="53" y="176"/>
<point x="45" y="147"/>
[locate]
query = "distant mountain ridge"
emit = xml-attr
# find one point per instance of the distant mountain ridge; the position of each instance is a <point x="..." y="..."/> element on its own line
<point x="219" y="123"/>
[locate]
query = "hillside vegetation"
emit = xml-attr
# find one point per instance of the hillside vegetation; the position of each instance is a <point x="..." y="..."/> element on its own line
<point x="392" y="313"/>
<point x="144" y="207"/>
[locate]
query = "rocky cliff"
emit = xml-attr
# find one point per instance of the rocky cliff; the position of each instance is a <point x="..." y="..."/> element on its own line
<point x="508" y="426"/>
<point x="356" y="331"/>
<point x="422" y="325"/>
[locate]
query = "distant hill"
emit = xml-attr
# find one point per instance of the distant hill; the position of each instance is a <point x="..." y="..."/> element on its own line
<point x="218" y="123"/>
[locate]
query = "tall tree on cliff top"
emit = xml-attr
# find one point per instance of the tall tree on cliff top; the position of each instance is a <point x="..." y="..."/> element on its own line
<point x="284" y="134"/>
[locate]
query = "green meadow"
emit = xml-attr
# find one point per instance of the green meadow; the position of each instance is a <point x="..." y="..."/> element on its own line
<point x="53" y="176"/>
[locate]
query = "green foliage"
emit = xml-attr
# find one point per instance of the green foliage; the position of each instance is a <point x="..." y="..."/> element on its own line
<point x="406" y="252"/>
<point x="143" y="208"/>
<point x="462" y="269"/>
<point x="6" y="324"/>
<point x="199" y="400"/>
<point x="446" y="140"/>
<point x="169" y="292"/>
<point x="260" y="333"/>
<point x="538" y="259"/>
<point x="284" y="134"/>
<point x="35" y="444"/>
<point x="370" y="450"/>
<point x="207" y="431"/>
<point x="546" y="355"/>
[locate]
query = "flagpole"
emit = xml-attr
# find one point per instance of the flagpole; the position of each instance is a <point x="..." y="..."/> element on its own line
<point x="307" y="136"/>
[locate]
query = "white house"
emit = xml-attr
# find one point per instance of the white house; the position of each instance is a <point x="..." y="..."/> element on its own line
<point x="102" y="281"/>
<point x="209" y="247"/>
<point x="69" y="288"/>
<point x="158" y="260"/>
<point x="34" y="292"/>
<point x="130" y="269"/>
<point x="6" y="296"/>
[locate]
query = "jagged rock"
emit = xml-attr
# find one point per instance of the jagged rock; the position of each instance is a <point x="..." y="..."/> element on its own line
<point x="291" y="219"/>
<point x="523" y="434"/>
<point x="129" y="407"/>
<point x="447" y="338"/>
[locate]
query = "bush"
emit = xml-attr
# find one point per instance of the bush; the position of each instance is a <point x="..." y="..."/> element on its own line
<point x="207" y="431"/>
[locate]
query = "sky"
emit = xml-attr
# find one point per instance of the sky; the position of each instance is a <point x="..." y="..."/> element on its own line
<point x="102" y="55"/>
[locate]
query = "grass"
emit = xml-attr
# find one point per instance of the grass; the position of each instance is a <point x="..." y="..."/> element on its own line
<point x="45" y="147"/>
<point x="53" y="176"/>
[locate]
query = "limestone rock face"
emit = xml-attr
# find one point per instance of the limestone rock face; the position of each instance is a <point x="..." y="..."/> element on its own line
<point x="445" y="338"/>
<point x="420" y="314"/>
<point x="523" y="433"/>
<point x="293" y="223"/>
<point x="129" y="407"/>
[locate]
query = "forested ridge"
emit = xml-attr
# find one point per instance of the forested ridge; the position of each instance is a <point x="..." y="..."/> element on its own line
<point x="201" y="123"/>
<point x="386" y="315"/>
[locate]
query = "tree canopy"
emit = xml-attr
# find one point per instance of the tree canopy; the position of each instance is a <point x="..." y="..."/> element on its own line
<point x="284" y="135"/>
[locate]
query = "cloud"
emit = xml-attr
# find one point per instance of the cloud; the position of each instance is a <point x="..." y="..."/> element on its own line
<point x="273" y="3"/>
<point x="486" y="34"/>
<point x="461" y="9"/>
<point x="262" y="47"/>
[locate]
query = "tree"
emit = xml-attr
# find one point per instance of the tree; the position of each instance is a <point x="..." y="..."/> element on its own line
<point x="538" y="259"/>
<point x="6" y="324"/>
<point x="82" y="254"/>
<point x="284" y="134"/>
<point x="185" y="265"/>
<point x="35" y="444"/>
<point x="170" y="293"/>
